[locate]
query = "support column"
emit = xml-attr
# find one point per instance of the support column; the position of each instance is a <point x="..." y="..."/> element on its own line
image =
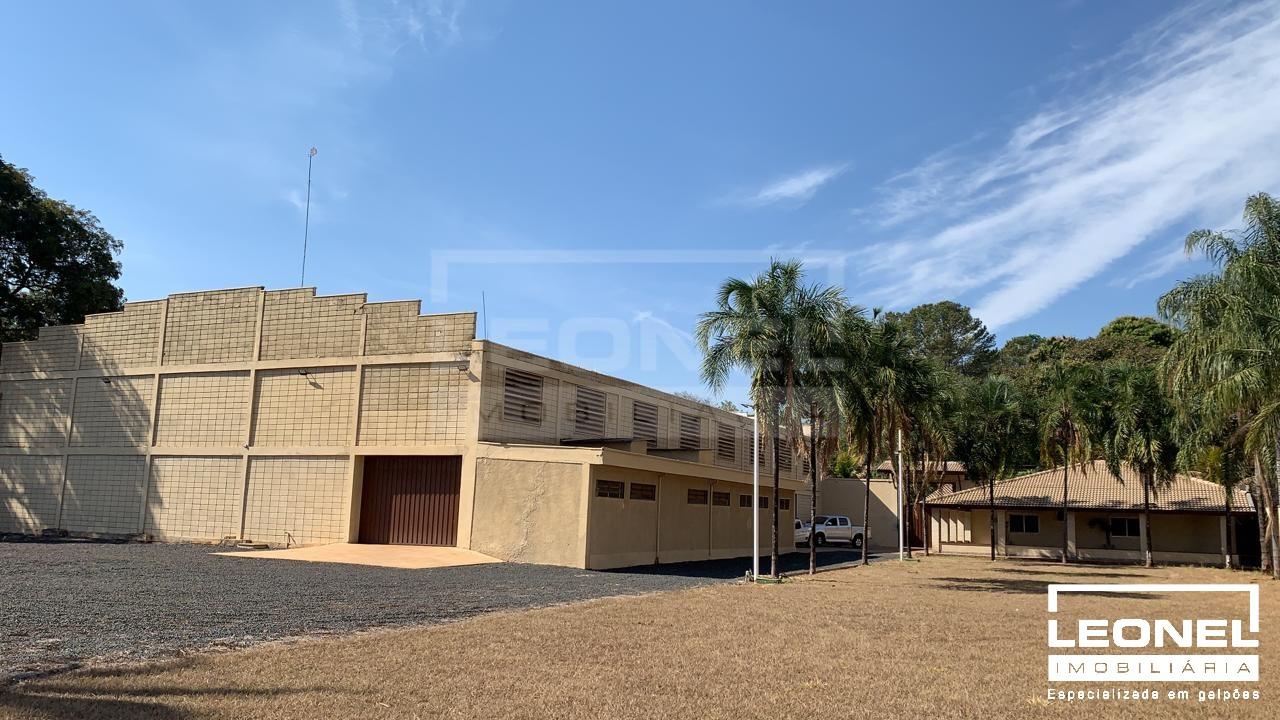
<point x="1071" y="535"/>
<point x="935" y="526"/>
<point x="1002" y="539"/>
<point x="1142" y="537"/>
<point x="1222" y="539"/>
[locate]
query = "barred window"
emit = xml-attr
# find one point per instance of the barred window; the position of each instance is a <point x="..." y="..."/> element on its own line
<point x="644" y="423"/>
<point x="726" y="442"/>
<point x="764" y="502"/>
<point x="690" y="432"/>
<point x="697" y="497"/>
<point x="609" y="488"/>
<point x="588" y="413"/>
<point x="784" y="503"/>
<point x="744" y="501"/>
<point x="720" y="499"/>
<point x="644" y="491"/>
<point x="521" y="396"/>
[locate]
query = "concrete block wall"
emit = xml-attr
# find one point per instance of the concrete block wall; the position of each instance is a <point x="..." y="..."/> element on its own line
<point x="236" y="412"/>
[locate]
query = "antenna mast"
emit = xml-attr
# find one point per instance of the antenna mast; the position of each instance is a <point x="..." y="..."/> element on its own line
<point x="306" y="227"/>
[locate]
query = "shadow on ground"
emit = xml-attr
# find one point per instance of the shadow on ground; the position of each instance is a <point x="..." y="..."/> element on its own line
<point x="1018" y="587"/>
<point x="73" y="700"/>
<point x="735" y="568"/>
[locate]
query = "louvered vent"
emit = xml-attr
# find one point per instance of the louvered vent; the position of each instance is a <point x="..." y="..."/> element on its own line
<point x="521" y="396"/>
<point x="784" y="455"/>
<point x="726" y="442"/>
<point x="644" y="423"/>
<point x="690" y="432"/>
<point x="588" y="413"/>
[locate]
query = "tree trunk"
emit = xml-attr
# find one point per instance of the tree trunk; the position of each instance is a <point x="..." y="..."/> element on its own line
<point x="1260" y="496"/>
<point x="908" y="512"/>
<point x="1270" y="498"/>
<point x="1146" y="512"/>
<point x="866" y="504"/>
<point x="775" y="569"/>
<point x="813" y="480"/>
<point x="991" y="490"/>
<point x="1231" y="530"/>
<point x="1066" y="465"/>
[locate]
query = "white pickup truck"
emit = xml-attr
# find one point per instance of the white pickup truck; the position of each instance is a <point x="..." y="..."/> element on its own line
<point x="831" y="528"/>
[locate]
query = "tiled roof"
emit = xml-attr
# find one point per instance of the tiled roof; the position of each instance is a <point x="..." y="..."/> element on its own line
<point x="1091" y="486"/>
<point x="951" y="466"/>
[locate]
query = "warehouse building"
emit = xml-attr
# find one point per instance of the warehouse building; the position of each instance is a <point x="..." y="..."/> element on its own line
<point x="295" y="419"/>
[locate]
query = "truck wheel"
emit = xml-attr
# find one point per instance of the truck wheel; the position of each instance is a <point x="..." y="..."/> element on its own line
<point x="821" y="539"/>
<point x="857" y="541"/>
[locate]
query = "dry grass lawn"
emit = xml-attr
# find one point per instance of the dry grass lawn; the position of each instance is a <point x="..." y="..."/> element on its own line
<point x="941" y="638"/>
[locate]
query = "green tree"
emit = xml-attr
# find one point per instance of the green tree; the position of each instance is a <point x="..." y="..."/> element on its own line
<point x="877" y="385"/>
<point x="1067" y="422"/>
<point x="1138" y="430"/>
<point x="57" y="264"/>
<point x="948" y="333"/>
<point x="769" y="327"/>
<point x="1141" y="330"/>
<point x="987" y="440"/>
<point x="1226" y="358"/>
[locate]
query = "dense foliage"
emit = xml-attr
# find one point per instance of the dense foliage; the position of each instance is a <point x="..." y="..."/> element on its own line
<point x="1197" y="390"/>
<point x="57" y="264"/>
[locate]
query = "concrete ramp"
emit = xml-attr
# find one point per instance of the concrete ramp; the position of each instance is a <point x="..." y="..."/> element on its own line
<point x="407" y="557"/>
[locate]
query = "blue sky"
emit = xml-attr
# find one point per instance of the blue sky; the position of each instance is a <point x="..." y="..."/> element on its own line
<point x="597" y="168"/>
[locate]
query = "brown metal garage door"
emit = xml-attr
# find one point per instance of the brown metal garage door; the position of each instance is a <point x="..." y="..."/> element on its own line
<point x="410" y="500"/>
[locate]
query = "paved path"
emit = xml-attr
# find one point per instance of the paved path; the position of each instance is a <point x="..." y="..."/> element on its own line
<point x="405" y="557"/>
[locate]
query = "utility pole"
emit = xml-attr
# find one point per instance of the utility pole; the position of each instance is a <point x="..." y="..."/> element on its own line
<point x="901" y="480"/>
<point x="306" y="227"/>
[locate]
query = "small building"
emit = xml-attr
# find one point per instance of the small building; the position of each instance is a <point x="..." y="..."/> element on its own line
<point x="1104" y="519"/>
<point x="292" y="419"/>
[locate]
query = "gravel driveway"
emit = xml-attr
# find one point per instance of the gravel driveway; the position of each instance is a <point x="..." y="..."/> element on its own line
<point x="63" y="603"/>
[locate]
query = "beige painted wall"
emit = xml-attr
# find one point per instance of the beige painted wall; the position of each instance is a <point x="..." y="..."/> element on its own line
<point x="845" y="496"/>
<point x="529" y="511"/>
<point x="626" y="532"/>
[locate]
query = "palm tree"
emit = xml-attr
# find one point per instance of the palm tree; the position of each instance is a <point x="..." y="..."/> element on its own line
<point x="1139" y="431"/>
<point x="1226" y="360"/>
<point x="878" y="379"/>
<point x="1066" y="424"/>
<point x="770" y="327"/>
<point x="933" y="412"/>
<point x="989" y="426"/>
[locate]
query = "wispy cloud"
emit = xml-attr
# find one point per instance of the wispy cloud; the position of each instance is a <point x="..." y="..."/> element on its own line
<point x="1156" y="266"/>
<point x="1176" y="128"/>
<point x="797" y="188"/>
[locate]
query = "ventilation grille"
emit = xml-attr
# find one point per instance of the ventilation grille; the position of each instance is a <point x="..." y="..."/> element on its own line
<point x="784" y="455"/>
<point x="644" y="423"/>
<point x="726" y="442"/>
<point x="521" y="396"/>
<point x="588" y="413"/>
<point x="690" y="432"/>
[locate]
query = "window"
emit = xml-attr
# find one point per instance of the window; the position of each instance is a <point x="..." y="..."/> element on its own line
<point x="744" y="501"/>
<point x="609" y="489"/>
<point x="764" y="502"/>
<point x="690" y="432"/>
<point x="832" y="522"/>
<point x="1125" y="527"/>
<point x="821" y="519"/>
<point x="1024" y="523"/>
<point x="588" y="413"/>
<point x="644" y="423"/>
<point x="784" y="503"/>
<point x="844" y="522"/>
<point x="720" y="499"/>
<point x="521" y="396"/>
<point x="697" y="497"/>
<point x="726" y="442"/>
<point x="644" y="491"/>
